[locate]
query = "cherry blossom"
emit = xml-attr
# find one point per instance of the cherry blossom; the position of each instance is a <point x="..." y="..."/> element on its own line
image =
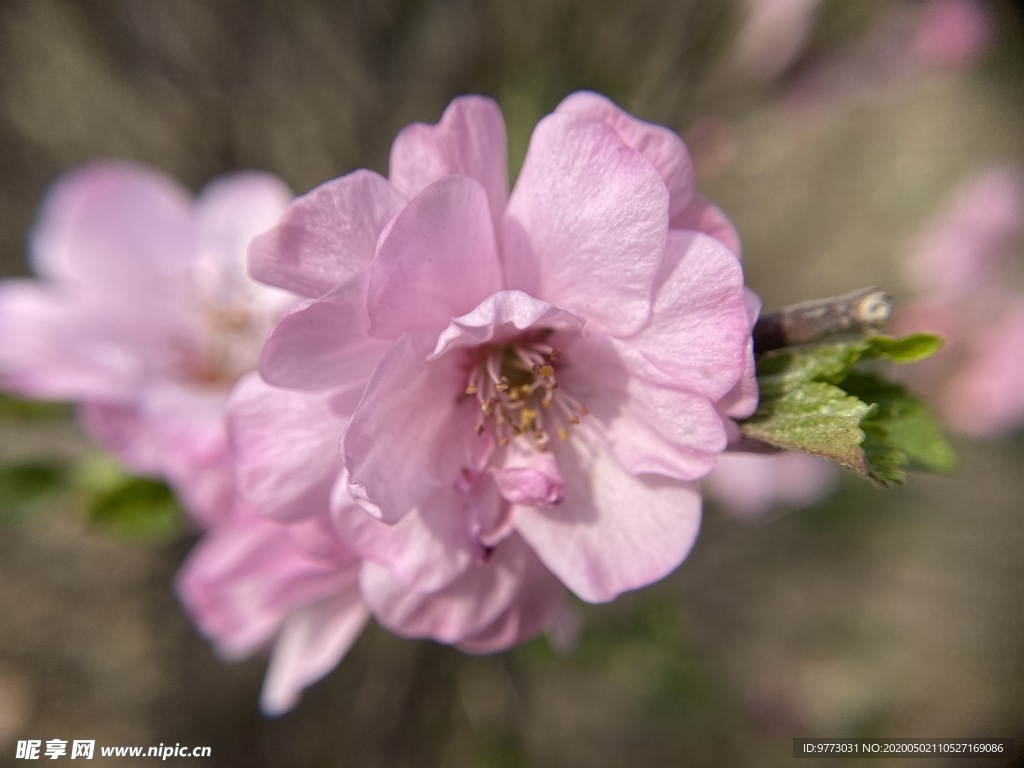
<point x="145" y="317"/>
<point x="492" y="395"/>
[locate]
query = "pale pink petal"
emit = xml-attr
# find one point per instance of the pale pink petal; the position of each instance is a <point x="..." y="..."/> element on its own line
<point x="119" y="228"/>
<point x="60" y="345"/>
<point x="326" y="236"/>
<point x="535" y="608"/>
<point x="703" y="216"/>
<point x="437" y="260"/>
<point x="408" y="439"/>
<point x="234" y="209"/>
<point x="286" y="445"/>
<point x="426" y="549"/>
<point x="698" y="336"/>
<point x="742" y="400"/>
<point x="323" y="343"/>
<point x="660" y="146"/>
<point x="177" y="432"/>
<point x="749" y="484"/>
<point x="245" y="577"/>
<point x="614" y="531"/>
<point x="463" y="609"/>
<point x="529" y="477"/>
<point x="312" y="641"/>
<point x="586" y="224"/>
<point x="499" y="318"/>
<point x="469" y="141"/>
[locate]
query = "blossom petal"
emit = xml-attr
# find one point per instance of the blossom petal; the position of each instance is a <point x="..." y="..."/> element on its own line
<point x="118" y="227"/>
<point x="699" y="333"/>
<point x="469" y="141"/>
<point x="437" y="260"/>
<point x="614" y="531"/>
<point x="326" y="236"/>
<point x="662" y="148"/>
<point x="58" y="344"/>
<point x="426" y="549"/>
<point x="586" y="224"/>
<point x="408" y="438"/>
<point x="234" y="209"/>
<point x="286" y="446"/>
<point x="311" y="642"/>
<point x="461" y="610"/>
<point x="703" y="216"/>
<point x="245" y="577"/>
<point x="536" y="607"/>
<point x="323" y="343"/>
<point x="499" y="318"/>
<point x="529" y="477"/>
<point x="177" y="432"/>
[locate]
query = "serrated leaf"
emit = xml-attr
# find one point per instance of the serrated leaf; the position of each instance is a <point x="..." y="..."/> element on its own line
<point x="904" y="421"/>
<point x="906" y="349"/>
<point x="813" y="417"/>
<point x="814" y="400"/>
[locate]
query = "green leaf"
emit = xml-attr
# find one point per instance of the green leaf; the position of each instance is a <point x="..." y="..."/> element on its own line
<point x="16" y="409"/>
<point x="818" y="399"/>
<point x="25" y="483"/>
<point x="813" y="417"/>
<point x="126" y="505"/>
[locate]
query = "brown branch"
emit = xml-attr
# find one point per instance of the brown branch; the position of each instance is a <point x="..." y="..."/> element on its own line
<point x="861" y="311"/>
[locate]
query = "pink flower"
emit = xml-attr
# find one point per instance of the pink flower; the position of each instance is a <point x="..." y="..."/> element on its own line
<point x="750" y="484"/>
<point x="525" y="388"/>
<point x="145" y="316"/>
<point x="252" y="581"/>
<point x="961" y="268"/>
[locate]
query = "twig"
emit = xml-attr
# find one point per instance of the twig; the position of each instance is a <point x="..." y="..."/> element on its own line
<point x="861" y="311"/>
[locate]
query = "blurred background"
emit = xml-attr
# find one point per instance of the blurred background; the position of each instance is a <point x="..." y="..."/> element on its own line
<point x="835" y="134"/>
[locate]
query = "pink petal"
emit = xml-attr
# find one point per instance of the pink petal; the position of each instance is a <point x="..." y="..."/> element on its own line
<point x="323" y="343"/>
<point x="698" y="337"/>
<point x="234" y="209"/>
<point x="286" y="447"/>
<point x="407" y="439"/>
<point x="177" y="432"/>
<point x="461" y="610"/>
<point x="586" y="224"/>
<point x="118" y="227"/>
<point x="469" y="141"/>
<point x="326" y="236"/>
<point x="61" y="345"/>
<point x="426" y="549"/>
<point x="437" y="260"/>
<point x="312" y="641"/>
<point x="741" y="401"/>
<point x="529" y="477"/>
<point x="536" y="607"/>
<point x="245" y="577"/>
<point x="614" y="531"/>
<point x="499" y="319"/>
<point x="703" y="216"/>
<point x="662" y="148"/>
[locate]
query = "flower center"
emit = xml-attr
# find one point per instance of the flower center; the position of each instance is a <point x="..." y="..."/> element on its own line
<point x="518" y="392"/>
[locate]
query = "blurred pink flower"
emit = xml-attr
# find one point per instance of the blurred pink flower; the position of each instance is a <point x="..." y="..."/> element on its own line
<point x="526" y="387"/>
<point x="145" y="316"/>
<point x="253" y="581"/>
<point x="961" y="268"/>
<point x="953" y="33"/>
<point x="750" y="484"/>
